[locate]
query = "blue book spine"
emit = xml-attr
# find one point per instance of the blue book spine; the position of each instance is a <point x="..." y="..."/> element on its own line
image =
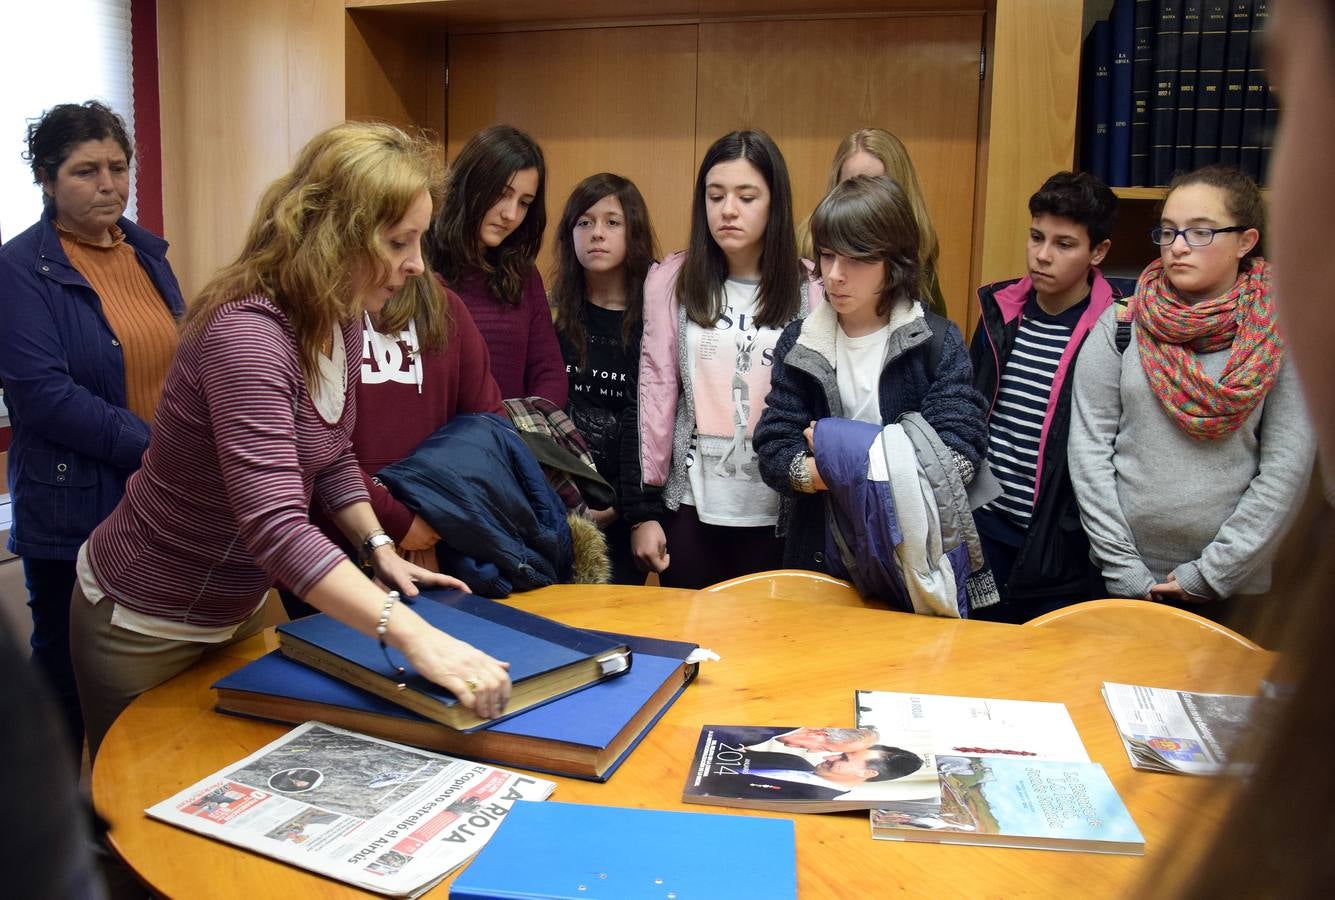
<point x="1123" y="52"/>
<point x="1268" y="135"/>
<point x="1163" y="109"/>
<point x="1253" y="101"/>
<point x="1235" y="80"/>
<point x="1097" y="65"/>
<point x="1142" y="90"/>
<point x="1188" y="72"/>
<point x="1210" y="82"/>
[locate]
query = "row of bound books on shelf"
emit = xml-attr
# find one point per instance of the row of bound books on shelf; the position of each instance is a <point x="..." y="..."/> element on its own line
<point x="1169" y="86"/>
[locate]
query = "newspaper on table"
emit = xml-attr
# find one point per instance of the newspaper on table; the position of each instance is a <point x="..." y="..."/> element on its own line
<point x="1177" y="731"/>
<point x="379" y="815"/>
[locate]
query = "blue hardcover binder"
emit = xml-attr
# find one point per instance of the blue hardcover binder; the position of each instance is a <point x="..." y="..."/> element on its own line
<point x="556" y="851"/>
<point x="587" y="734"/>
<point x="1123" y="51"/>
<point x="1096" y="62"/>
<point x="547" y="659"/>
<point x="1142" y="87"/>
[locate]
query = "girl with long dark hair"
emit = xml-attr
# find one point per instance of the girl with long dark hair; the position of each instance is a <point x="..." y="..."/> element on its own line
<point x="604" y="248"/>
<point x="711" y="319"/>
<point x="484" y="243"/>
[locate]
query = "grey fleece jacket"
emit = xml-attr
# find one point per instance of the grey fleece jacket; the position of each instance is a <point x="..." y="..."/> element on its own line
<point x="1155" y="501"/>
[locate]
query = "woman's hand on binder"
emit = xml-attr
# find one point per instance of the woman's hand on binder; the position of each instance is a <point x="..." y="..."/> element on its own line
<point x="480" y="682"/>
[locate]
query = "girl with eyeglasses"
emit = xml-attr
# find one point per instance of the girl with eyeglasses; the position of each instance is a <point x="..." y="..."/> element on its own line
<point x="1189" y="443"/>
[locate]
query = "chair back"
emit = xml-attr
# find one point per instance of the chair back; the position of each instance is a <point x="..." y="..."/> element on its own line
<point x="794" y="584"/>
<point x="1130" y="618"/>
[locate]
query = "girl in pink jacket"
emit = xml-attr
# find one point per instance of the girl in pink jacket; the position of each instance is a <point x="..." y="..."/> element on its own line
<point x="711" y="318"/>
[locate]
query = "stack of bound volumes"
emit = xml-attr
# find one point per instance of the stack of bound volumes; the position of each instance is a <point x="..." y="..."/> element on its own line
<point x="1172" y="85"/>
<point x="578" y="705"/>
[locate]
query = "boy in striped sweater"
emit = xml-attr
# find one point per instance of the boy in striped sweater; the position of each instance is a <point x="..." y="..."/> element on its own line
<point x="1024" y="349"/>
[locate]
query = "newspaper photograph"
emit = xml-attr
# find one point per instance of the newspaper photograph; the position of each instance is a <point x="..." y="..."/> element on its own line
<point x="388" y="818"/>
<point x="1177" y="731"/>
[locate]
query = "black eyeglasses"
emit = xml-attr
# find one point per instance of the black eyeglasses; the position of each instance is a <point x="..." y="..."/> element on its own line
<point x="1195" y="236"/>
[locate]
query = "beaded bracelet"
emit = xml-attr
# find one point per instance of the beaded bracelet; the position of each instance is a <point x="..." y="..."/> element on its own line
<point x="381" y="627"/>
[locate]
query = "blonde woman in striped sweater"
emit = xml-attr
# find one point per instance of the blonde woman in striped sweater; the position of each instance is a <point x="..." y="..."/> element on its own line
<point x="254" y="425"/>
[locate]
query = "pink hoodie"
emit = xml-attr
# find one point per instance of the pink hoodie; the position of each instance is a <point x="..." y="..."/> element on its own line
<point x="660" y="379"/>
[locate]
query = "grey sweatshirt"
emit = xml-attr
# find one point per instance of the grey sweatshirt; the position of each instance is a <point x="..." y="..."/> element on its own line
<point x="1155" y="501"/>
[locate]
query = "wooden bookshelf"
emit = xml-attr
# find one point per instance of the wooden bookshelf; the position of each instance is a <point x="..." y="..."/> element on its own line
<point x="247" y="82"/>
<point x="1140" y="193"/>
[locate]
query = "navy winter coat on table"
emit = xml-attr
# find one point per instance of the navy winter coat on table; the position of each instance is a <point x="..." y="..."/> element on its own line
<point x="502" y="527"/>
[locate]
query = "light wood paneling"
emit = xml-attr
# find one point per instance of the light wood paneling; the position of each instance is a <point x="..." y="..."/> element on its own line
<point x="1033" y="73"/>
<point x="475" y="14"/>
<point x="607" y="99"/>
<point x="395" y="72"/>
<point x="245" y="83"/>
<point x="810" y="83"/>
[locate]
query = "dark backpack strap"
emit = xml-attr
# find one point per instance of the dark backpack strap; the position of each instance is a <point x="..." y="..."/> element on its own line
<point x="1123" y="337"/>
<point x="935" y="346"/>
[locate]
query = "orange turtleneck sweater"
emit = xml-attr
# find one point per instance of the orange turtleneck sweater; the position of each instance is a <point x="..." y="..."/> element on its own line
<point x="136" y="312"/>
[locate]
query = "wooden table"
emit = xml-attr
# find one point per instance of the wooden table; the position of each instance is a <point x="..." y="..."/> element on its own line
<point x="784" y="662"/>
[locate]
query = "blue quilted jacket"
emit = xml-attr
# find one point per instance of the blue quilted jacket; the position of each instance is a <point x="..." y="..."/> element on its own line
<point x="502" y="527"/>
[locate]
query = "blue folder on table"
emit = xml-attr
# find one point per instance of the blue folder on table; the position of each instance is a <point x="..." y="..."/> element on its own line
<point x="557" y="851"/>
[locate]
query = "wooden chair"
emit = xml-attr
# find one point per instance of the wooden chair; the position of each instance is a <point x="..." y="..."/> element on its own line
<point x="1131" y="618"/>
<point x="793" y="584"/>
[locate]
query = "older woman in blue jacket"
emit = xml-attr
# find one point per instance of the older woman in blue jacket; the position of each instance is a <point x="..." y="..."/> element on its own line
<point x="88" y="310"/>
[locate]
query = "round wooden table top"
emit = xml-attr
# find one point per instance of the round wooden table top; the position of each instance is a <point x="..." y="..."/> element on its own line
<point x="785" y="660"/>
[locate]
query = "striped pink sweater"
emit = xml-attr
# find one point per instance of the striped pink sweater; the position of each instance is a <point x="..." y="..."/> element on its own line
<point x="219" y="510"/>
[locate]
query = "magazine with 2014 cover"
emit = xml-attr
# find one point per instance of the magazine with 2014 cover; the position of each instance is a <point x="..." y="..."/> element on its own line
<point x="547" y="659"/>
<point x="806" y="769"/>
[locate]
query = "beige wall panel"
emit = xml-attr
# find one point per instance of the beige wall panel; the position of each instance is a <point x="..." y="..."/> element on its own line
<point x="244" y="84"/>
<point x="1034" y="75"/>
<point x="810" y="83"/>
<point x="395" y="72"/>
<point x="606" y="99"/>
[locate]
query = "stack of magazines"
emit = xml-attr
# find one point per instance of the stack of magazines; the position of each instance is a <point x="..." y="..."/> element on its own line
<point x="940" y="769"/>
<point x="1013" y="773"/>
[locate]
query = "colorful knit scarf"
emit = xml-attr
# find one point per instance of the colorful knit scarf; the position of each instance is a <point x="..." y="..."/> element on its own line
<point x="1172" y="331"/>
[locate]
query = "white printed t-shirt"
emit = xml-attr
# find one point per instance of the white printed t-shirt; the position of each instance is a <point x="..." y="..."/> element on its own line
<point x="858" y="364"/>
<point x="729" y="368"/>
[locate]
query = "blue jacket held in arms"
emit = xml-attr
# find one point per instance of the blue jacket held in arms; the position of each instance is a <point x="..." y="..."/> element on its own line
<point x="804" y="388"/>
<point x="502" y="527"/>
<point x="74" y="442"/>
<point x="900" y="525"/>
